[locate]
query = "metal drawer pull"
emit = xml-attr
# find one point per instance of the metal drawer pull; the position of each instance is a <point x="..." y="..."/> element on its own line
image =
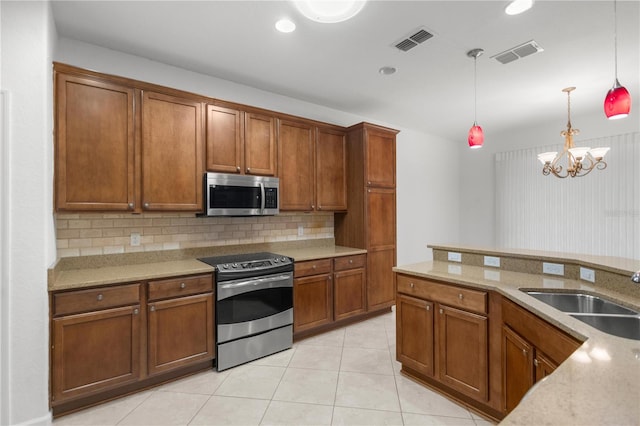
<point x="182" y="285"/>
<point x="535" y="362"/>
<point x="152" y="308"/>
<point x="460" y="296"/>
<point x="314" y="266"/>
<point x="350" y="260"/>
<point x="428" y="308"/>
<point x="441" y="311"/>
<point x="135" y="311"/>
<point x="412" y="285"/>
<point x="100" y="297"/>
<point x="524" y="352"/>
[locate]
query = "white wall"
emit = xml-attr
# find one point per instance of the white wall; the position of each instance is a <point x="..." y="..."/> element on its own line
<point x="477" y="176"/>
<point x="28" y="247"/>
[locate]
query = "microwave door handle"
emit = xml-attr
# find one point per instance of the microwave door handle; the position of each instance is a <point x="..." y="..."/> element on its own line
<point x="261" y="197"/>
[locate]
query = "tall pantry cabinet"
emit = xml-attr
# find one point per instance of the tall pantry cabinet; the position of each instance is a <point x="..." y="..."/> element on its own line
<point x="370" y="222"/>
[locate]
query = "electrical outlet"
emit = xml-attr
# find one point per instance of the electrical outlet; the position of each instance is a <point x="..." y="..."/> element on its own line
<point x="587" y="274"/>
<point x="135" y="239"/>
<point x="454" y="257"/>
<point x="300" y="230"/>
<point x="553" y="268"/>
<point x="492" y="261"/>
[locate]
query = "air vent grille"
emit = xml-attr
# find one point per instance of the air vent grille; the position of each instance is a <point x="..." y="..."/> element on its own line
<point x="525" y="49"/>
<point x="417" y="36"/>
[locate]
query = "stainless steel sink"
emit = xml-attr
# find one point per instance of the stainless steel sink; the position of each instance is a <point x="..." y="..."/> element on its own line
<point x="622" y="326"/>
<point x="600" y="313"/>
<point x="580" y="303"/>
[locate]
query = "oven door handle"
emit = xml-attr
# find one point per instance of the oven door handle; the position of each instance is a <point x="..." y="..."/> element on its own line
<point x="244" y="286"/>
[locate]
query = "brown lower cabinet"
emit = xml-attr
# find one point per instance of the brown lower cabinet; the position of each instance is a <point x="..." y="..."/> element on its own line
<point x="327" y="291"/>
<point x="104" y="343"/>
<point x="475" y="346"/>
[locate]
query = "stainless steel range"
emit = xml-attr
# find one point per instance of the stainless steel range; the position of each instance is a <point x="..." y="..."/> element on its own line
<point x="254" y="306"/>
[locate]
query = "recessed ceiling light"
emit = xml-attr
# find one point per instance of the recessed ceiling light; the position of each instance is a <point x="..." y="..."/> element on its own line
<point x="328" y="12"/>
<point x="387" y="70"/>
<point x="285" y="26"/>
<point x="516" y="7"/>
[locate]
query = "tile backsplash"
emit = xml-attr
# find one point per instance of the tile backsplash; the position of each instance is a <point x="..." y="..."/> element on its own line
<point x="87" y="234"/>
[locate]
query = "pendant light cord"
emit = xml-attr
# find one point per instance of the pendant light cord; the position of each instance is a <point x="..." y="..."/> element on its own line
<point x="615" y="38"/>
<point x="475" y="89"/>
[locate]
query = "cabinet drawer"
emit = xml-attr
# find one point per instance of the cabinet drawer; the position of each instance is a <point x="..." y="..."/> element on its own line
<point x="95" y="299"/>
<point x="451" y="295"/>
<point x="180" y="286"/>
<point x="350" y="262"/>
<point x="312" y="267"/>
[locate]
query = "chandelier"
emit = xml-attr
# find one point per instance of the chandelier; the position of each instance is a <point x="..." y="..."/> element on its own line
<point x="573" y="161"/>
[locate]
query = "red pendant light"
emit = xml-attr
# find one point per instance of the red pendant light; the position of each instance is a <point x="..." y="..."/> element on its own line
<point x="476" y="136"/>
<point x="617" y="103"/>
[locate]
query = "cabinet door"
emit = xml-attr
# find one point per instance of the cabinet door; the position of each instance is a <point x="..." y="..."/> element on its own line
<point x="95" y="351"/>
<point x="517" y="368"/>
<point x="94" y="153"/>
<point x="543" y="365"/>
<point x="349" y="293"/>
<point x="260" y="145"/>
<point x="224" y="140"/>
<point x="381" y="284"/>
<point x="171" y="153"/>
<point x="380" y="164"/>
<point x="313" y="302"/>
<point x="415" y="334"/>
<point x="381" y="218"/>
<point x="463" y="351"/>
<point x="296" y="165"/>
<point x="331" y="170"/>
<point x="180" y="332"/>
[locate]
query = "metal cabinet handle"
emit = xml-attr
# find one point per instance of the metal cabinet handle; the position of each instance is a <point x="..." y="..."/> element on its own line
<point x="182" y="285"/>
<point x="314" y="266"/>
<point x="312" y="206"/>
<point x="135" y="311"/>
<point x="146" y="205"/>
<point x="237" y="168"/>
<point x="441" y="312"/>
<point x="350" y="261"/>
<point x="524" y="352"/>
<point x="100" y="297"/>
<point x="152" y="308"/>
<point x="248" y="170"/>
<point x="412" y="285"/>
<point x="428" y="308"/>
<point x="131" y="205"/>
<point x="535" y="362"/>
<point x="369" y="183"/>
<point x="460" y="296"/>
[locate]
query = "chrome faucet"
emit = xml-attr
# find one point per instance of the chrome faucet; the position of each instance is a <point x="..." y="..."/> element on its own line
<point x="636" y="277"/>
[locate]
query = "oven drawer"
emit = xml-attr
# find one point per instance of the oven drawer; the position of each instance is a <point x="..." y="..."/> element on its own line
<point x="95" y="299"/>
<point x="350" y="262"/>
<point x="180" y="286"/>
<point x="312" y="267"/>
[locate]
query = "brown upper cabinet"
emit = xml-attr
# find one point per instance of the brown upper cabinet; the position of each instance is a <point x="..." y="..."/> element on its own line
<point x="380" y="151"/>
<point x="119" y="147"/>
<point x="95" y="144"/>
<point x="171" y="153"/>
<point x="240" y="142"/>
<point x="312" y="164"/>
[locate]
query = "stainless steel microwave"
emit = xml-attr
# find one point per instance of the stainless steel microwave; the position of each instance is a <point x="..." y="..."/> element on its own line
<point x="241" y="195"/>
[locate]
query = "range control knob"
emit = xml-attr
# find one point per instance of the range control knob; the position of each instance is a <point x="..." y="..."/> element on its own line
<point x="276" y="260"/>
<point x="235" y="265"/>
<point x="284" y="259"/>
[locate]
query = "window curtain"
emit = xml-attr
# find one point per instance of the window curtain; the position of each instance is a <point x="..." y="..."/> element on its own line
<point x="597" y="214"/>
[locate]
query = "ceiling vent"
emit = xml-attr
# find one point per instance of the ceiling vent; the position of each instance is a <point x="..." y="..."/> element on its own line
<point x="417" y="36"/>
<point x="525" y="49"/>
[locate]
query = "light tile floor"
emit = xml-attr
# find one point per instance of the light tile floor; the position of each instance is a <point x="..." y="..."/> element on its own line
<point x="347" y="376"/>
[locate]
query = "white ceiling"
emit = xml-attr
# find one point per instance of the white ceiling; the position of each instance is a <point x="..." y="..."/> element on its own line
<point x="336" y="65"/>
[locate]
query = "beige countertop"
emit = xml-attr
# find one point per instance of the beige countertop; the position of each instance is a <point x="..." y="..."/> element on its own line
<point x="91" y="275"/>
<point x="599" y="384"/>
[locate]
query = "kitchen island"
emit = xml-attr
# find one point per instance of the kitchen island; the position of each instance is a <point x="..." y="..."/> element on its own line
<point x="600" y="382"/>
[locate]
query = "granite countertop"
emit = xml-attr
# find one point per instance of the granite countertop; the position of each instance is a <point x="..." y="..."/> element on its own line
<point x="599" y="383"/>
<point x="96" y="273"/>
